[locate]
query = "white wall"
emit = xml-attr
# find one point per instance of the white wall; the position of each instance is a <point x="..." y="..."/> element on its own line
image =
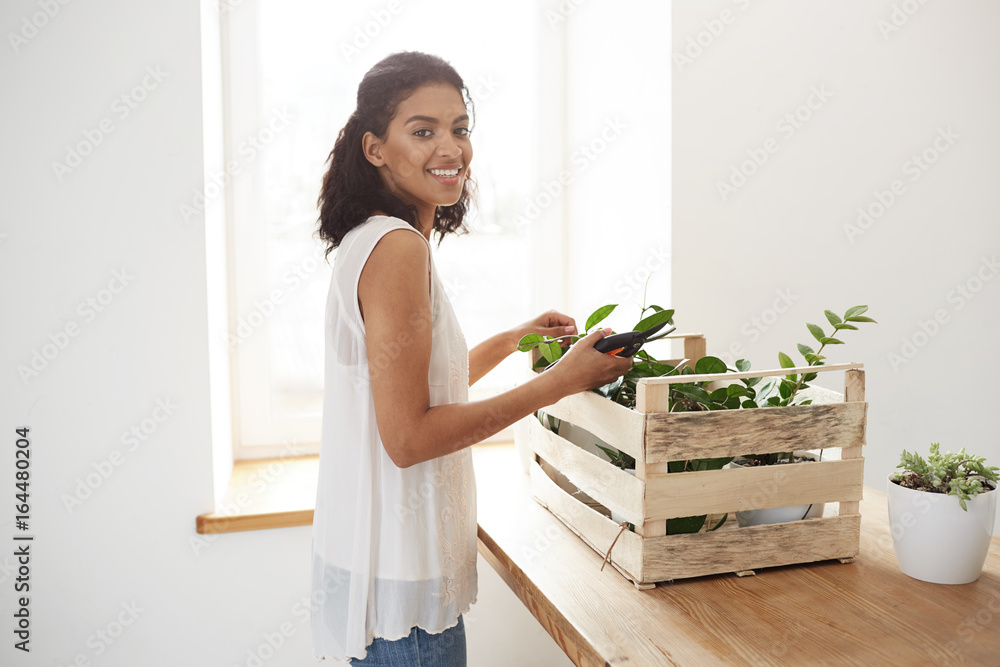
<point x="131" y="540"/>
<point x="892" y="82"/>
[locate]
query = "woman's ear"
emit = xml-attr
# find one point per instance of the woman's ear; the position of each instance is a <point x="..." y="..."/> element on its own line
<point x="372" y="148"/>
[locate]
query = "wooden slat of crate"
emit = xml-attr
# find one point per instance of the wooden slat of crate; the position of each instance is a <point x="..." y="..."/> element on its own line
<point x="715" y="491"/>
<point x="613" y="423"/>
<point x="690" y="435"/>
<point x="653" y="394"/>
<point x="593" y="527"/>
<point x="654" y="384"/>
<point x="698" y="554"/>
<point x="854" y="390"/>
<point x="650" y="560"/>
<point x="612" y="487"/>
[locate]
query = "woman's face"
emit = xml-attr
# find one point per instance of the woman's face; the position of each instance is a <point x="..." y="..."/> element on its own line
<point x="425" y="154"/>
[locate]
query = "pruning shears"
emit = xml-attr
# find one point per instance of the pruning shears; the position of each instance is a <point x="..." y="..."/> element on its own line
<point x="625" y="344"/>
<point x="628" y="343"/>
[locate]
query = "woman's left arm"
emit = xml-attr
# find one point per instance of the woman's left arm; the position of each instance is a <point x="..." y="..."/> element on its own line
<point x="484" y="357"/>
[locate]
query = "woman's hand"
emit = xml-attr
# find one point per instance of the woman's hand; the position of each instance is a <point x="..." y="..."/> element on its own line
<point x="584" y="368"/>
<point x="484" y="357"/>
<point x="552" y="324"/>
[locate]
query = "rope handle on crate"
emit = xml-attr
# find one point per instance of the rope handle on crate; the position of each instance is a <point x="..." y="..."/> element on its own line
<point x="607" y="556"/>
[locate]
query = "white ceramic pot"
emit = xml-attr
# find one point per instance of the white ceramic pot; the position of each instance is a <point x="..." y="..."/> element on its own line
<point x="935" y="539"/>
<point x="779" y="515"/>
<point x="763" y="517"/>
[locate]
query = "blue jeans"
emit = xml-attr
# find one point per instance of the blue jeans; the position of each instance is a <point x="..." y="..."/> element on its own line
<point x="419" y="649"/>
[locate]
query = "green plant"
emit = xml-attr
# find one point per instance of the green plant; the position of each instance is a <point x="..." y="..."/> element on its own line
<point x="785" y="391"/>
<point x="961" y="475"/>
<point x="789" y="386"/>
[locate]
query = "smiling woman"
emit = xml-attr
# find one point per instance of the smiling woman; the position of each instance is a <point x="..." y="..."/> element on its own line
<point x="394" y="531"/>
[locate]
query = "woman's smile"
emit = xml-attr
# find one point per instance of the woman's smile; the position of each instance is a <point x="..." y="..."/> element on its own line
<point x="447" y="175"/>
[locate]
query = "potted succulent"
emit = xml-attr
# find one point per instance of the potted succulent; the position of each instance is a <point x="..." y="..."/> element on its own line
<point x="941" y="514"/>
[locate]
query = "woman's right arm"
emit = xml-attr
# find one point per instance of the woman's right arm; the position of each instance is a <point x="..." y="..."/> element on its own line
<point x="394" y="294"/>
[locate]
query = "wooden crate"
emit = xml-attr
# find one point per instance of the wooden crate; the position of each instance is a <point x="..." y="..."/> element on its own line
<point x="652" y="496"/>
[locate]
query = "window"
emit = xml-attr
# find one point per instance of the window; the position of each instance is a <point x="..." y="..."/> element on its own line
<point x="542" y="111"/>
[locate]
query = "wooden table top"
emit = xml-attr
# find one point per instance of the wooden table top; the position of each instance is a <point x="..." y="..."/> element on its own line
<point x="862" y="613"/>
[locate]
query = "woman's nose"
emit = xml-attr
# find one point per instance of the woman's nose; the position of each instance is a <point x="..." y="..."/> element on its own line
<point x="449" y="146"/>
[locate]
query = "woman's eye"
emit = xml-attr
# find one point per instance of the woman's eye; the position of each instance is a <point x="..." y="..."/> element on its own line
<point x="421" y="133"/>
<point x="463" y="131"/>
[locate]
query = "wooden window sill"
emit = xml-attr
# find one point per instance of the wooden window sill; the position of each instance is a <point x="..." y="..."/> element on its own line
<point x="273" y="493"/>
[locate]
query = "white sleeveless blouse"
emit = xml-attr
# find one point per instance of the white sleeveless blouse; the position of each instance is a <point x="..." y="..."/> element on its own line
<point x="392" y="548"/>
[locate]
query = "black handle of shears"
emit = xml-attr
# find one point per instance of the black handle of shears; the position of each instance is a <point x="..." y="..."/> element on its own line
<point x="623" y="344"/>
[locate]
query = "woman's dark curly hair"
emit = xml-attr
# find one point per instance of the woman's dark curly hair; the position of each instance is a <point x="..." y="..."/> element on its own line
<point x="352" y="187"/>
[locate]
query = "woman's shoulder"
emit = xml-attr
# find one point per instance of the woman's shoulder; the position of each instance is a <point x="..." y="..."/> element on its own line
<point x="374" y="228"/>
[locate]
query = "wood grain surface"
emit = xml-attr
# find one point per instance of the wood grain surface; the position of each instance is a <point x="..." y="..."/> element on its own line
<point x="731" y="490"/>
<point x="691" y="435"/>
<point x="607" y="484"/>
<point x="613" y="423"/>
<point x="863" y="613"/>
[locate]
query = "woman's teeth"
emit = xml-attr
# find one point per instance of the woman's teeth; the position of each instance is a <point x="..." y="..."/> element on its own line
<point x="445" y="173"/>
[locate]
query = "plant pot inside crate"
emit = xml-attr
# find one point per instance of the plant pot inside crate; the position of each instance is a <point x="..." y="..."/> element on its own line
<point x="771" y="515"/>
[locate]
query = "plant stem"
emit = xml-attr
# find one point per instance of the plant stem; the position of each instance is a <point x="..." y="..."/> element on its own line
<point x="801" y="381"/>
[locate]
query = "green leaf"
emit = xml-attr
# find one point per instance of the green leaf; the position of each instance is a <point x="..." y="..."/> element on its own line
<point x="849" y="327"/>
<point x="831" y="341"/>
<point x="860" y="319"/>
<point x="656" y="318"/>
<point x="711" y="464"/>
<point x="529" y="342"/>
<point x="719" y="395"/>
<point x="551" y="350"/>
<point x="805" y="350"/>
<point x="710" y="365"/>
<point x="742" y="365"/>
<point x="749" y="382"/>
<point x="832" y="317"/>
<point x="855" y="311"/>
<point x="685" y="524"/>
<point x="598" y="316"/>
<point x="693" y="392"/>
<point x="721" y="521"/>
<point x="748" y="405"/>
<point x="808" y="377"/>
<point x="736" y="390"/>
<point x="816" y="331"/>
<point x="785" y="360"/>
<point x="784" y="389"/>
